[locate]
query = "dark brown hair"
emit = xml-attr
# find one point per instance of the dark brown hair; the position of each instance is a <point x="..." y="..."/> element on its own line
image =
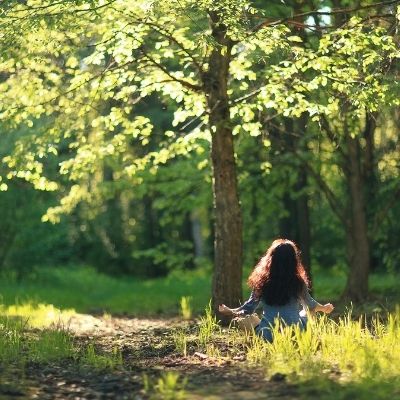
<point x="279" y="276"/>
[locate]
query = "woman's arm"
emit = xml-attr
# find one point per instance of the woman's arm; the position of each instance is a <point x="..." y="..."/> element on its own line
<point x="314" y="306"/>
<point x="248" y="307"/>
<point x="326" y="308"/>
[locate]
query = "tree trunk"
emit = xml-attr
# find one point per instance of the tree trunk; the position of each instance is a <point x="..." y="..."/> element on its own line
<point x="370" y="176"/>
<point x="227" y="279"/>
<point x="303" y="222"/>
<point x="296" y="225"/>
<point x="198" y="245"/>
<point x="358" y="247"/>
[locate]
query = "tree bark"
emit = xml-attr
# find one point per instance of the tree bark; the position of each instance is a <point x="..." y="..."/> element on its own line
<point x="303" y="222"/>
<point x="227" y="279"/>
<point x="358" y="246"/>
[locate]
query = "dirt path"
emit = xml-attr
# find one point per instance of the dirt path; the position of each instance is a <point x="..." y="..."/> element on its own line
<point x="148" y="349"/>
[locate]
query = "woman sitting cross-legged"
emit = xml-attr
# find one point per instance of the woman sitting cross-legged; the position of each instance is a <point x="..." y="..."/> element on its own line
<point x="279" y="281"/>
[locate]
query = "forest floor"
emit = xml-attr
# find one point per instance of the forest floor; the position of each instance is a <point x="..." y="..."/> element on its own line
<point x="110" y="349"/>
<point x="148" y="354"/>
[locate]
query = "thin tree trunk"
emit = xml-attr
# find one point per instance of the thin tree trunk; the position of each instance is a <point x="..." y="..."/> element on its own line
<point x="227" y="279"/>
<point x="296" y="225"/>
<point x="303" y="222"/>
<point x="198" y="242"/>
<point x="370" y="176"/>
<point x="358" y="246"/>
<point x="303" y="227"/>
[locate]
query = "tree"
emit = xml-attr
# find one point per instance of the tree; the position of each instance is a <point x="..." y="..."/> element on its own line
<point x="347" y="119"/>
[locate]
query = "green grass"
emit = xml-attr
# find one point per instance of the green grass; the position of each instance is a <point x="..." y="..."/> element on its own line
<point x="18" y="344"/>
<point x="51" y="345"/>
<point x="10" y="339"/>
<point x="186" y="292"/>
<point x="92" y="358"/>
<point x="53" y="342"/>
<point x="169" y="386"/>
<point x="340" y="359"/>
<point x="37" y="315"/>
<point x="85" y="290"/>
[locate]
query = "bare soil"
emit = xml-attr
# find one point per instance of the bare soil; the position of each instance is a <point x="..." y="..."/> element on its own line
<point x="148" y="349"/>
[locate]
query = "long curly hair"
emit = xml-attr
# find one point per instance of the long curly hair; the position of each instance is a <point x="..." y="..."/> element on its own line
<point x="279" y="276"/>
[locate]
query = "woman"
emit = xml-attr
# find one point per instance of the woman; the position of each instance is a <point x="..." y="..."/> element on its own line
<point x="279" y="281"/>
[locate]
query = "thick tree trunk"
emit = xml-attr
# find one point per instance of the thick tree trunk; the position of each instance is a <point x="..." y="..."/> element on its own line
<point x="358" y="247"/>
<point x="227" y="279"/>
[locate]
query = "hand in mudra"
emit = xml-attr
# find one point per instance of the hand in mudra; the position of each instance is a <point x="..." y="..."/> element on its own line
<point x="328" y="308"/>
<point x="223" y="309"/>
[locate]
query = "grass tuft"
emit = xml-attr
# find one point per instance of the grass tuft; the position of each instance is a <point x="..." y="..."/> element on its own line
<point x="51" y="345"/>
<point x="207" y="326"/>
<point x="168" y="387"/>
<point x="186" y="308"/>
<point x="91" y="358"/>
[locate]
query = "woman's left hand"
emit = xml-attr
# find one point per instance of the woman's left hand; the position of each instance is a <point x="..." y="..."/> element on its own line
<point x="223" y="309"/>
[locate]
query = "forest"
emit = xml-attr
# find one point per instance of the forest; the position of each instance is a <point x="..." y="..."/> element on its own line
<point x="150" y="153"/>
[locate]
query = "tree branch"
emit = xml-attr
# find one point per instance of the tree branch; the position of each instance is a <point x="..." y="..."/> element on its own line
<point x="382" y="214"/>
<point x="186" y="84"/>
<point x="169" y="36"/>
<point x="67" y="10"/>
<point x="332" y="136"/>
<point x="336" y="205"/>
<point x="349" y="10"/>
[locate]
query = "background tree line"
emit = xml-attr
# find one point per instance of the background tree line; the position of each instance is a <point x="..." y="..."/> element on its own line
<point x="164" y="135"/>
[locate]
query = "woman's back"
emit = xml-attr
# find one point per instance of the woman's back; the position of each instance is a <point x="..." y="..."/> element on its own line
<point x="290" y="313"/>
<point x="280" y="283"/>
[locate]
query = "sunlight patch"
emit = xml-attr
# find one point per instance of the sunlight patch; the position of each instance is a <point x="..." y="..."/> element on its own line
<point x="38" y="315"/>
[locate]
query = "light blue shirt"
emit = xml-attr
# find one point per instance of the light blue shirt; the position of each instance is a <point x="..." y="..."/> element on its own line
<point x="291" y="313"/>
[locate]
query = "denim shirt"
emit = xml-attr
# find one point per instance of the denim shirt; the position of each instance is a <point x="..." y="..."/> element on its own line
<point x="291" y="313"/>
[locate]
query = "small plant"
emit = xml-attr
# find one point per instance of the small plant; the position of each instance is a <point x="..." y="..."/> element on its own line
<point x="208" y="325"/>
<point x="52" y="344"/>
<point x="186" y="308"/>
<point x="101" y="361"/>
<point x="256" y="349"/>
<point x="180" y="340"/>
<point x="213" y="351"/>
<point x="10" y="339"/>
<point x="168" y="387"/>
